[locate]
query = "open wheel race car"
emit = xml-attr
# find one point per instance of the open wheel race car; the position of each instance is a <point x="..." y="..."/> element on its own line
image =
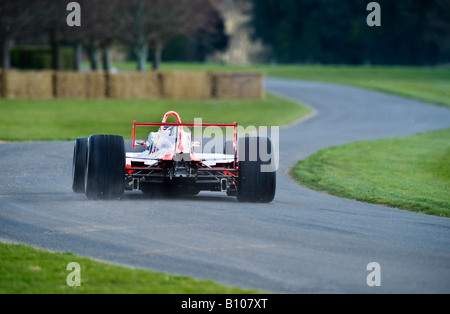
<point x="169" y="163"/>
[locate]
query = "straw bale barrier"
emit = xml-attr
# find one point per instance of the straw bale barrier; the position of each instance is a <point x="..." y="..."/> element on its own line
<point x="27" y="84"/>
<point x="70" y="85"/>
<point x="95" y="85"/>
<point x="76" y="85"/>
<point x="133" y="85"/>
<point x="186" y="85"/>
<point x="238" y="85"/>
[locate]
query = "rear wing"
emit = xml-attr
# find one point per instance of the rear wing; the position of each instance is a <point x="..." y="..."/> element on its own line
<point x="162" y="124"/>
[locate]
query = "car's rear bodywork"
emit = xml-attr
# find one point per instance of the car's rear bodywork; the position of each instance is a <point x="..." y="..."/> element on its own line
<point x="169" y="160"/>
<point x="170" y="163"/>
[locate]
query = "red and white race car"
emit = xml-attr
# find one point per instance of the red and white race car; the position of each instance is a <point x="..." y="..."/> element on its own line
<point x="169" y="163"/>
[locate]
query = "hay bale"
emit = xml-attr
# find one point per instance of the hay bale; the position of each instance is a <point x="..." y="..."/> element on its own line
<point x="186" y="85"/>
<point x="238" y="85"/>
<point x="40" y="85"/>
<point x="133" y="85"/>
<point x="70" y="85"/>
<point x="80" y="85"/>
<point x="27" y="84"/>
<point x="14" y="84"/>
<point x="95" y="85"/>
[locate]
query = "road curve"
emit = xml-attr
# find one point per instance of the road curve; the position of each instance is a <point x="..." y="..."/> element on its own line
<point x="302" y="242"/>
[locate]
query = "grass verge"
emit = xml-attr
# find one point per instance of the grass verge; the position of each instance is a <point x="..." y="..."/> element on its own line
<point x="410" y="173"/>
<point x="44" y="120"/>
<point x="29" y="270"/>
<point x="430" y="84"/>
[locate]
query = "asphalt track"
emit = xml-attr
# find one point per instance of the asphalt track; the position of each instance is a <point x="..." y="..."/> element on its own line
<point x="302" y="242"/>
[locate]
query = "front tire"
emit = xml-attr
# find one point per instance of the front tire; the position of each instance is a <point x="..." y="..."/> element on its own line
<point x="105" y="171"/>
<point x="253" y="184"/>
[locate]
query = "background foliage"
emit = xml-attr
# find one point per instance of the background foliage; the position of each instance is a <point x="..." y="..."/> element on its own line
<point x="412" y="32"/>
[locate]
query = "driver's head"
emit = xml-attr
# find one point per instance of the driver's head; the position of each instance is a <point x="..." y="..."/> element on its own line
<point x="167" y="130"/>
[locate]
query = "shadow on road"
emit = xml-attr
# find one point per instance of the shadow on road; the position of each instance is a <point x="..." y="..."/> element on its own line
<point x="205" y="196"/>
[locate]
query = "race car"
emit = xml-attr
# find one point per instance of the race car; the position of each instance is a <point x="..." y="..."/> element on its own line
<point x="169" y="163"/>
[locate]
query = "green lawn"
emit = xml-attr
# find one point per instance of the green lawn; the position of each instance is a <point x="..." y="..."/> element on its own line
<point x="32" y="120"/>
<point x="410" y="173"/>
<point x="28" y="270"/>
<point x="431" y="84"/>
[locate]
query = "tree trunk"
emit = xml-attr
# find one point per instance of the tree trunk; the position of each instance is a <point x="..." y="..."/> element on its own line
<point x="106" y="58"/>
<point x="157" y="55"/>
<point x="77" y="56"/>
<point x="6" y="54"/>
<point x="56" y="50"/>
<point x="142" y="56"/>
<point x="93" y="56"/>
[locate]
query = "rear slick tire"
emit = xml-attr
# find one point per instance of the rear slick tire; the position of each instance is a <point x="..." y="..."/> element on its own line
<point x="79" y="164"/>
<point x="105" y="170"/>
<point x="255" y="185"/>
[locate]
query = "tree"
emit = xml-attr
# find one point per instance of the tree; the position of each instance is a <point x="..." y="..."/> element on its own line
<point x="334" y="31"/>
<point x="30" y="18"/>
<point x="15" y="16"/>
<point x="152" y="24"/>
<point x="98" y="30"/>
<point x="48" y="17"/>
<point x="209" y="38"/>
<point x="172" y="18"/>
<point x="437" y="29"/>
<point x="134" y="28"/>
<point x="210" y="35"/>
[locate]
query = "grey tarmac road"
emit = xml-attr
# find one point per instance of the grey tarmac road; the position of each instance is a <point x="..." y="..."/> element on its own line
<point x="302" y="242"/>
